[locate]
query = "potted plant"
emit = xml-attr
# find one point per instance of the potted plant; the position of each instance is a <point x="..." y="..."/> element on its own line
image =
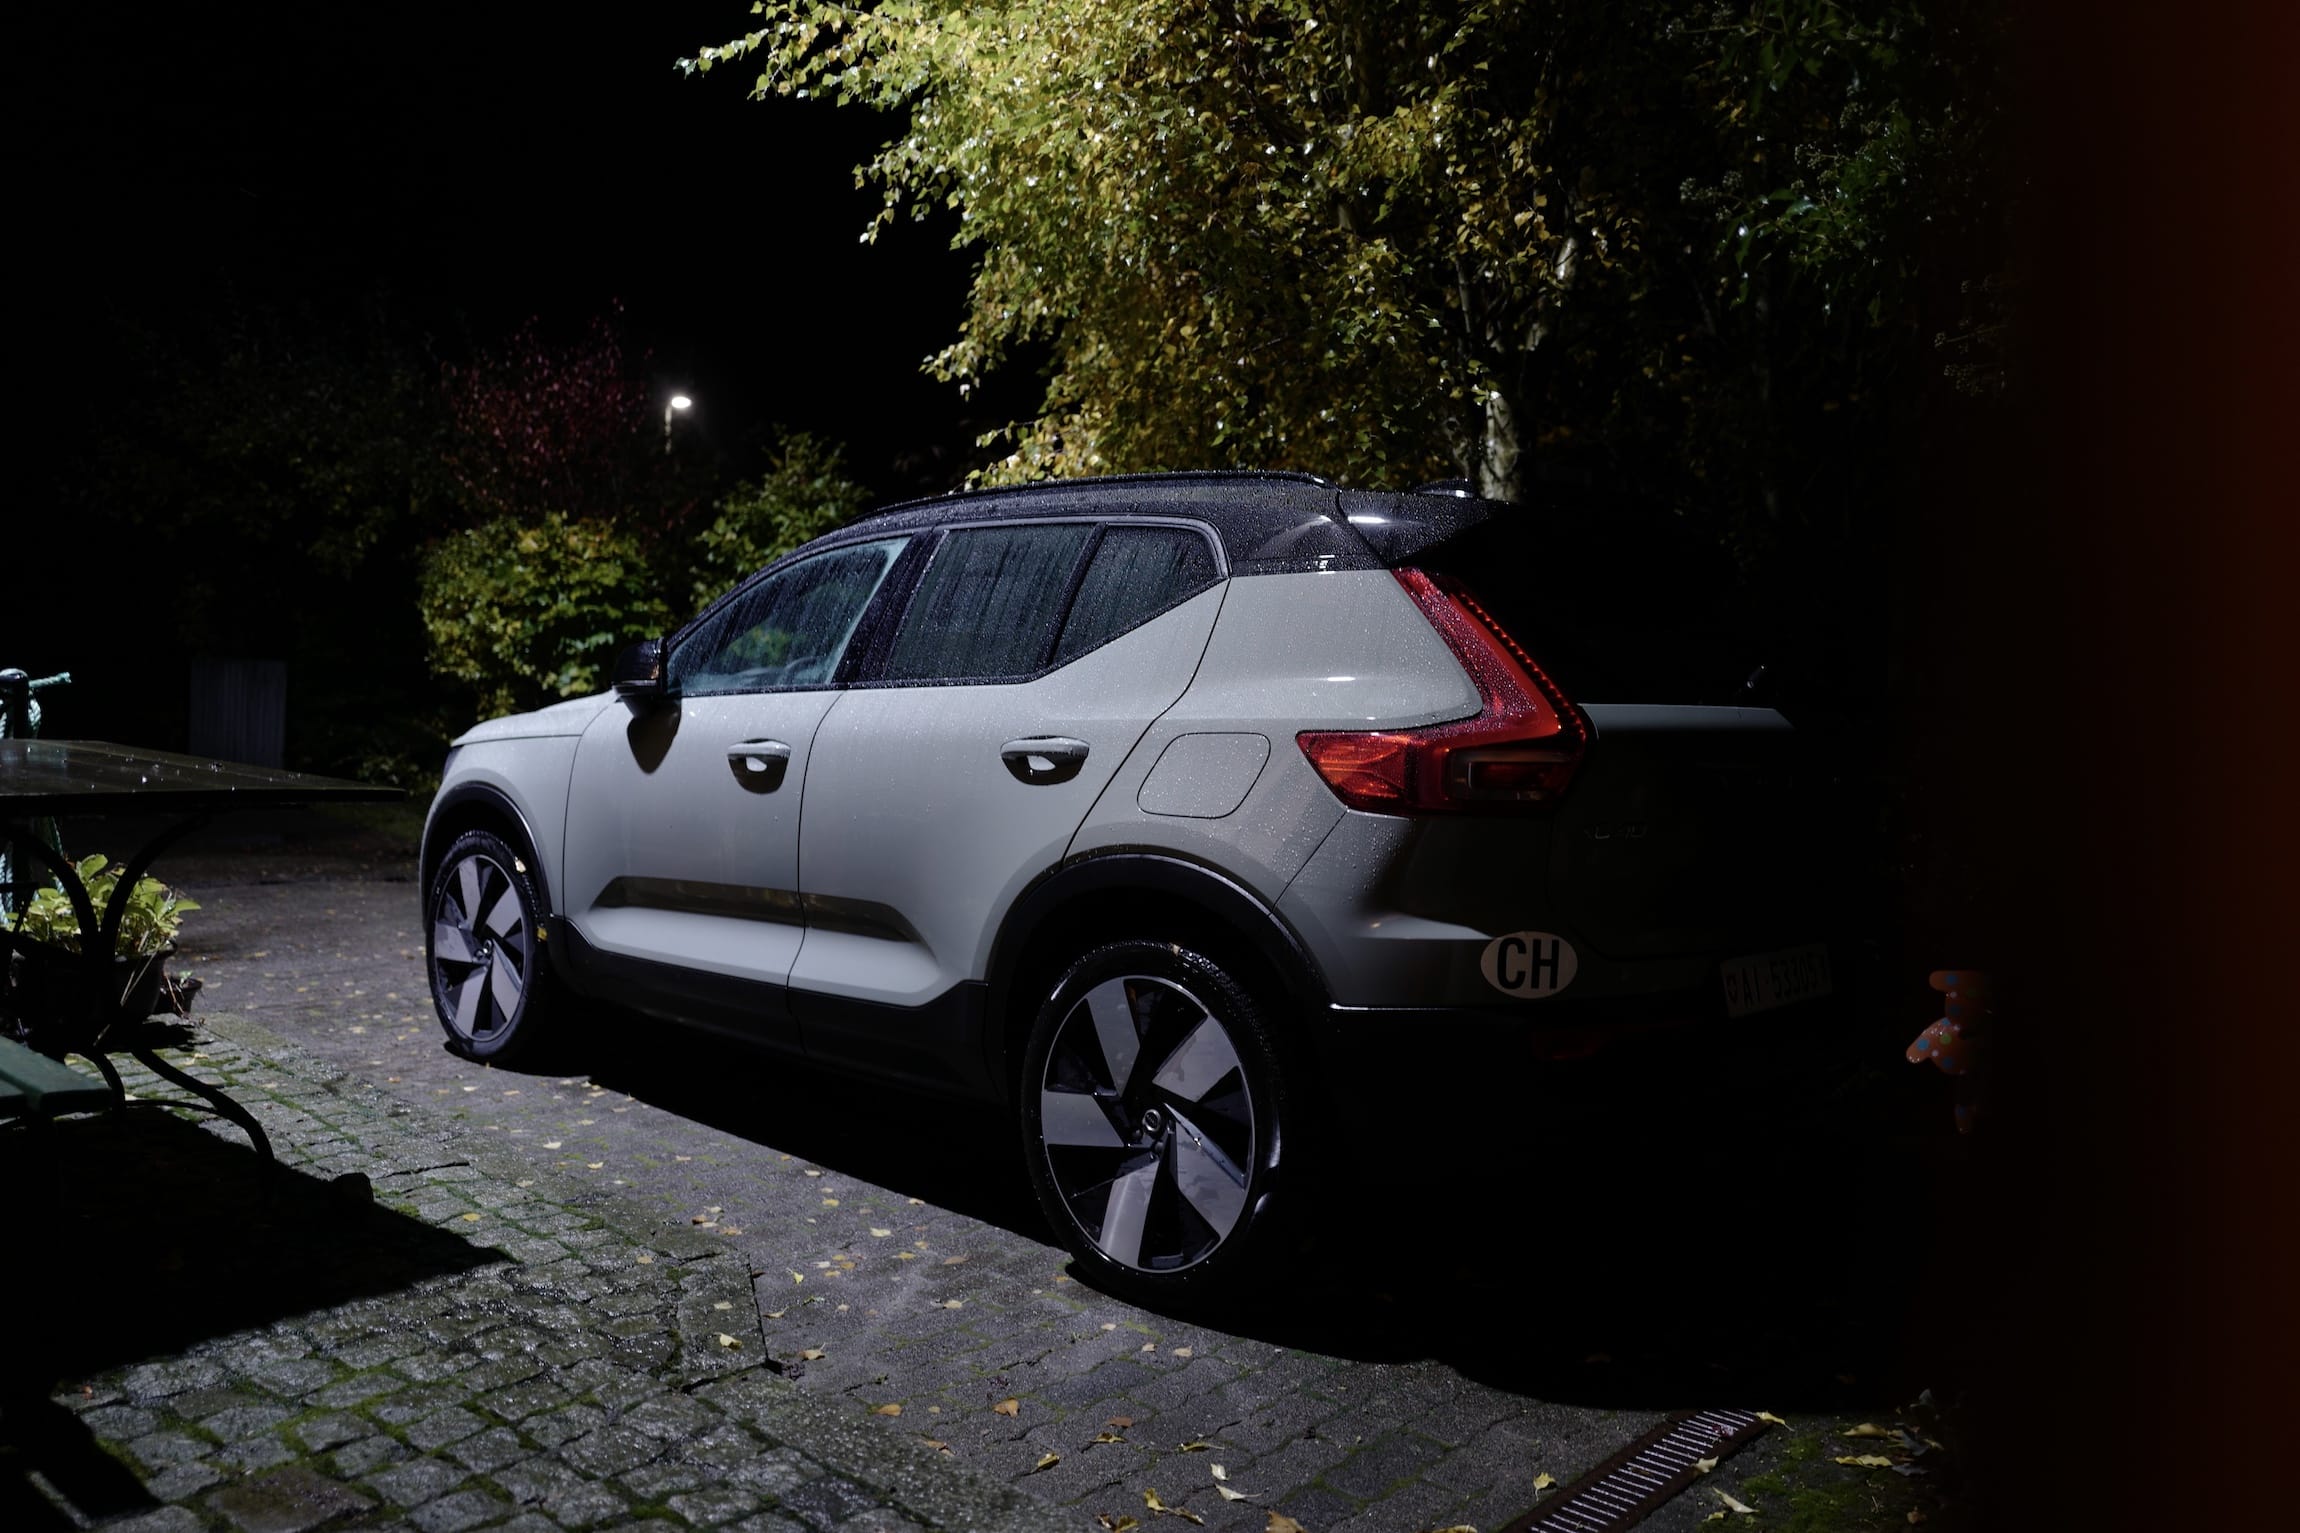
<point x="50" y="977"/>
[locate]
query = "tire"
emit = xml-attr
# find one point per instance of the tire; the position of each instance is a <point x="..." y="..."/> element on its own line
<point x="490" y="981"/>
<point x="1155" y="1121"/>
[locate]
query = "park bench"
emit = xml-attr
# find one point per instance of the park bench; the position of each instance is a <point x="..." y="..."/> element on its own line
<point x="35" y="1086"/>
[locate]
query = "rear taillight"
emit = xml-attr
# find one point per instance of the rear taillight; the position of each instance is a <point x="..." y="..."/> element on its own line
<point x="1521" y="749"/>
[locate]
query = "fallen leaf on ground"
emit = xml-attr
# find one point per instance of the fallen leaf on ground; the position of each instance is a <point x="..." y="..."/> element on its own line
<point x="1159" y="1508"/>
<point x="1104" y="1437"/>
<point x="1227" y="1494"/>
<point x="646" y="1261"/>
<point x="1280" y="1523"/>
<point x="777" y="1314"/>
<point x="1865" y="1429"/>
<point x="1544" y="1481"/>
<point x="594" y="1165"/>
<point x="796" y="1276"/>
<point x="470" y="1218"/>
<point x="814" y="1173"/>
<point x="813" y="1354"/>
<point x="1184" y="1352"/>
<point x="886" y="1410"/>
<point x="1769" y="1416"/>
<point x="553" y="1144"/>
<point x="1122" y="1523"/>
<point x="722" y="1304"/>
<point x="1048" y="1462"/>
<point x="954" y="1261"/>
<point x="906" y="1256"/>
<point x="1865" y="1460"/>
<point x="1219" y="1472"/>
<point x="730" y="1342"/>
<point x="1732" y="1505"/>
<point x="1704" y="1465"/>
<point x="954" y="1304"/>
<point x="1194" y="1445"/>
<point x="1008" y="1408"/>
<point x="1120" y="1422"/>
<point x="830" y="1202"/>
<point x="937" y="1444"/>
<point x="879" y="1234"/>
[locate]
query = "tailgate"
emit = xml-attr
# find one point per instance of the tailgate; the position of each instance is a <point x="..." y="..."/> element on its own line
<point x="1692" y="830"/>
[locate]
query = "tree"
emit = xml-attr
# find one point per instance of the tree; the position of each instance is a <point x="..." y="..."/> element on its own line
<point x="1395" y="241"/>
<point x="530" y="613"/>
<point x="544" y="425"/>
<point x="806" y="492"/>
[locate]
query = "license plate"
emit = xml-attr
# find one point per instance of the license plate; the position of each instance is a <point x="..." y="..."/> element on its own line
<point x="1763" y="981"/>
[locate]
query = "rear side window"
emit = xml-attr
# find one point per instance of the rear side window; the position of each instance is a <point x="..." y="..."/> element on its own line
<point x="986" y="608"/>
<point x="1136" y="573"/>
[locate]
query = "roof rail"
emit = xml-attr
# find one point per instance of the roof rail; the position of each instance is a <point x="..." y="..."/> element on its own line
<point x="1096" y="481"/>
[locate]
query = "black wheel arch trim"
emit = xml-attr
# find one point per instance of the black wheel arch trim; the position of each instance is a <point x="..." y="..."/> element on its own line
<point x="1220" y="897"/>
<point x="498" y="802"/>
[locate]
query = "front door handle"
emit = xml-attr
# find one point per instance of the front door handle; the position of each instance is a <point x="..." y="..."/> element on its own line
<point x="1044" y="759"/>
<point x="759" y="765"/>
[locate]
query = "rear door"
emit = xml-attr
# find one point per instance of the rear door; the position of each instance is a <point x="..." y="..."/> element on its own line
<point x="1029" y="662"/>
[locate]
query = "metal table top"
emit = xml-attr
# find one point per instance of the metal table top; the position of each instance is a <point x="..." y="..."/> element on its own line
<point x="78" y="777"/>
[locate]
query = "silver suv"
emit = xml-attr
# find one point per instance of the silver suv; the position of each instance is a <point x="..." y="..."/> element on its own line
<point x="1221" y="824"/>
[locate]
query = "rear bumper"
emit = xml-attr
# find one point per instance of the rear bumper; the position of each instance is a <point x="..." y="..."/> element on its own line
<point x="1508" y="1089"/>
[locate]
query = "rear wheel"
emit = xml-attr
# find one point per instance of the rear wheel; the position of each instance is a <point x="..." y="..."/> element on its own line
<point x="489" y="978"/>
<point x="1155" y="1121"/>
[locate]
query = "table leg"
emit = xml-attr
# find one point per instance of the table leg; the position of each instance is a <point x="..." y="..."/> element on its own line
<point x="224" y="1105"/>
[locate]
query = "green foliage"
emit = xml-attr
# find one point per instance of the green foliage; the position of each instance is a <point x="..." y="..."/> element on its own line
<point x="154" y="914"/>
<point x="529" y="613"/>
<point x="1387" y="241"/>
<point x="806" y="493"/>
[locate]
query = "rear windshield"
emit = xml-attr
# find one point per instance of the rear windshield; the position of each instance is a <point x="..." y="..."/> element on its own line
<point x="1620" y="604"/>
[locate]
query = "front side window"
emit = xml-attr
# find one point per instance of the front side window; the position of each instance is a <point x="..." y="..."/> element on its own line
<point x="987" y="605"/>
<point x="787" y="630"/>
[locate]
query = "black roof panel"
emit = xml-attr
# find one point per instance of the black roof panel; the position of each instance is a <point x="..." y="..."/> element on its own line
<point x="1269" y="523"/>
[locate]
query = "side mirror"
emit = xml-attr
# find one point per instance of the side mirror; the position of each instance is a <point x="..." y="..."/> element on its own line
<point x="639" y="676"/>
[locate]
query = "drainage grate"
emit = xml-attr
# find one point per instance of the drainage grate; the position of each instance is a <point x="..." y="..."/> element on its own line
<point x="1619" y="1492"/>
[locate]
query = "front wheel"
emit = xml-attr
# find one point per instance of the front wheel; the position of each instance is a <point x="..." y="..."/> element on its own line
<point x="489" y="978"/>
<point x="1155" y="1119"/>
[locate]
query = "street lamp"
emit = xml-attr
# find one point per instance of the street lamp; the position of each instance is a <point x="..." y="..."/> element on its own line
<point x="679" y="402"/>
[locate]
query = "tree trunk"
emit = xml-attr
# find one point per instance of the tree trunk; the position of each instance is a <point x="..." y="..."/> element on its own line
<point x="1500" y="471"/>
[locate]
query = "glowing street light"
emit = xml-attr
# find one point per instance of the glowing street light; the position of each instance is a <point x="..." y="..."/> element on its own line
<point x="679" y="403"/>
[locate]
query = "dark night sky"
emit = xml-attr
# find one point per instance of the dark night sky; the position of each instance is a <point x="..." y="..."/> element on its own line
<point x="480" y="163"/>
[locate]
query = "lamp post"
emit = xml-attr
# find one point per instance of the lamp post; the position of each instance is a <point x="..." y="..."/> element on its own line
<point x="679" y="403"/>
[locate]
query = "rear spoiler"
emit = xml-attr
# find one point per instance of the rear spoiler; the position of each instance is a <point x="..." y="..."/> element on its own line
<point x="1398" y="527"/>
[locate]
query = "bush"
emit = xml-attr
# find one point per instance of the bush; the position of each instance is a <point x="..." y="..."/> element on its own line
<point x="531" y="613"/>
<point x="805" y="494"/>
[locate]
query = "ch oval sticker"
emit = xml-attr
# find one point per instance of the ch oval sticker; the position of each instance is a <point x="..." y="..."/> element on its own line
<point x="1529" y="965"/>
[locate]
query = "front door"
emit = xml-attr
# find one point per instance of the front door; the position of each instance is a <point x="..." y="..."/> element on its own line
<point x="681" y="871"/>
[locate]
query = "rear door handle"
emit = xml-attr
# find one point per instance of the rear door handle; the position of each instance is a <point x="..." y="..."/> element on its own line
<point x="759" y="765"/>
<point x="1044" y="759"/>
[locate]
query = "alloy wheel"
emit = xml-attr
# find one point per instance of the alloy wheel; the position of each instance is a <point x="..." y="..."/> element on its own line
<point x="482" y="948"/>
<point x="1147" y="1123"/>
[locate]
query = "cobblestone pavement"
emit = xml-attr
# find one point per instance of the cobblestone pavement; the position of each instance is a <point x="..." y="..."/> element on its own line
<point x="467" y="1350"/>
<point x="885" y="1253"/>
